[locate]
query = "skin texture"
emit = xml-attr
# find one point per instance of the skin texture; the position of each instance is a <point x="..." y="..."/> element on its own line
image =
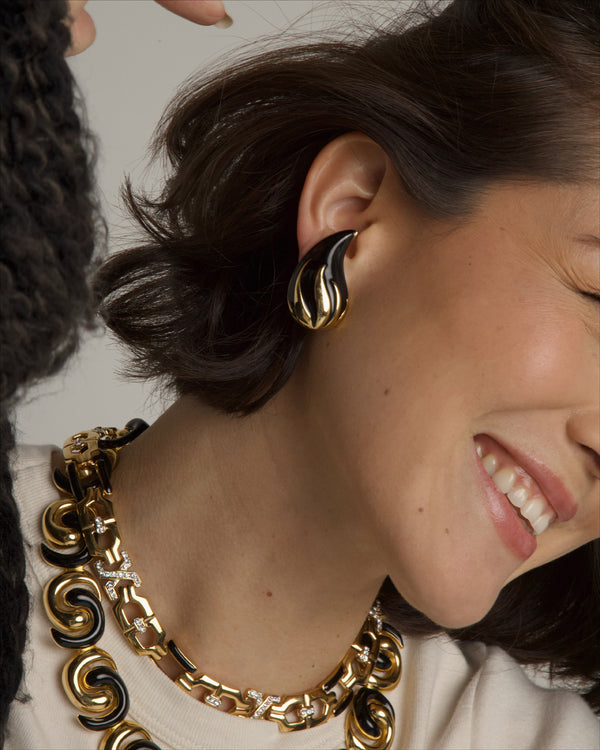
<point x="264" y="559"/>
<point x="83" y="31"/>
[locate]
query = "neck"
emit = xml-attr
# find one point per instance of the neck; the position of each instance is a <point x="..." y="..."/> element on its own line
<point x="251" y="548"/>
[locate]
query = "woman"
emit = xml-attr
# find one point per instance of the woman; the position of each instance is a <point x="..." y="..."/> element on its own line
<point x="436" y="433"/>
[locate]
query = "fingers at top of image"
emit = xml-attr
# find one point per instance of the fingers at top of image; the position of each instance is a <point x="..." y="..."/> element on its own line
<point x="205" y="12"/>
<point x="83" y="31"/>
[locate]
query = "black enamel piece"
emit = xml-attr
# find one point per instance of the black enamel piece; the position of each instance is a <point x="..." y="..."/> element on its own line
<point x="142" y="745"/>
<point x="387" y="628"/>
<point x="61" y="481"/>
<point x="334" y="679"/>
<point x="344" y="704"/>
<point x="362" y="699"/>
<point x="106" y="676"/>
<point x="80" y="597"/>
<point x="181" y="658"/>
<point x="104" y="469"/>
<point x="73" y="560"/>
<point x="383" y="662"/>
<point x="70" y="519"/>
<point x="363" y="715"/>
<point x="135" y="427"/>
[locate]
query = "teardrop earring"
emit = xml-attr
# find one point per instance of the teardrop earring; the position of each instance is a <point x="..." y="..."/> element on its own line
<point x="317" y="293"/>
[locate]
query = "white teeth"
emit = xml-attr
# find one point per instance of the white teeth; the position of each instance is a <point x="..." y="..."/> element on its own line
<point x="518" y="496"/>
<point x="490" y="463"/>
<point x="533" y="508"/>
<point x="504" y="479"/>
<point x="542" y="523"/>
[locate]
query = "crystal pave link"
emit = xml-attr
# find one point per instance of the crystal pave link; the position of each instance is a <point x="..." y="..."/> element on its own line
<point x="263" y="704"/>
<point x="121" y="574"/>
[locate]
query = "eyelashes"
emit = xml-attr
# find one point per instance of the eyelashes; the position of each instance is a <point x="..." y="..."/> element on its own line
<point x="592" y="295"/>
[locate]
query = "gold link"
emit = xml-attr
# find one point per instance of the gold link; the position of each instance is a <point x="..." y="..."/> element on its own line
<point x="83" y="447"/>
<point x="356" y="671"/>
<point x="96" y="505"/>
<point x="218" y="691"/>
<point x="128" y="596"/>
<point x="83" y="451"/>
<point x="301" y="707"/>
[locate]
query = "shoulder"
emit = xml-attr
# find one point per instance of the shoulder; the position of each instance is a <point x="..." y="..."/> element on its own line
<point x="31" y="467"/>
<point x="33" y="488"/>
<point x="472" y="695"/>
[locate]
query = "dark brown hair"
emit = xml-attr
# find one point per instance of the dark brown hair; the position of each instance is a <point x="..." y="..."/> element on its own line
<point x="472" y="93"/>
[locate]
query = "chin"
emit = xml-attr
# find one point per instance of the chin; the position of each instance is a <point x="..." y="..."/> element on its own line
<point x="454" y="609"/>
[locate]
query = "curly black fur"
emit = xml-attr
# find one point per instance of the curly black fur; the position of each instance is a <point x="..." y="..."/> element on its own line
<point x="49" y="223"/>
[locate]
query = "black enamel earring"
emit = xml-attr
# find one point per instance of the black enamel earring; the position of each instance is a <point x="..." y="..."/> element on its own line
<point x="317" y="293"/>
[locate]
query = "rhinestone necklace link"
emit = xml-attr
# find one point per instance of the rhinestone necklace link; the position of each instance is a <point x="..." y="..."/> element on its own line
<point x="82" y="538"/>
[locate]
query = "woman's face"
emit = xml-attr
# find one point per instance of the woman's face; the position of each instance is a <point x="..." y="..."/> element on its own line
<point x="462" y="333"/>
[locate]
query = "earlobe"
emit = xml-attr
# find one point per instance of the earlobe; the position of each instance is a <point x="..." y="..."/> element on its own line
<point x="339" y="189"/>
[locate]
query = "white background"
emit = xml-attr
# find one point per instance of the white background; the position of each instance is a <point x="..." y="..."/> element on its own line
<point x="142" y="53"/>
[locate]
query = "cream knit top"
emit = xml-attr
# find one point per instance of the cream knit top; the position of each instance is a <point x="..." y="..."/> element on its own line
<point x="450" y="696"/>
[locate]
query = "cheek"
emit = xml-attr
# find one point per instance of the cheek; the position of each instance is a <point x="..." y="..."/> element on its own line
<point x="523" y="354"/>
<point x="513" y="338"/>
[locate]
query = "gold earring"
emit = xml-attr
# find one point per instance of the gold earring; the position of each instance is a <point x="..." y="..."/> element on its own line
<point x="317" y="293"/>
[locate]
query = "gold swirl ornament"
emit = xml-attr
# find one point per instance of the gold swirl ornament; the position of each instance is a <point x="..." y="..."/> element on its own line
<point x="317" y="292"/>
<point x="120" y="736"/>
<point x="57" y="531"/>
<point x="387" y="677"/>
<point x="91" y="681"/>
<point x="67" y="617"/>
<point x="375" y="729"/>
<point x="96" y="699"/>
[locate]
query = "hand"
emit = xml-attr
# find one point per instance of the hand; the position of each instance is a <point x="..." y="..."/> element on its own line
<point x="83" y="31"/>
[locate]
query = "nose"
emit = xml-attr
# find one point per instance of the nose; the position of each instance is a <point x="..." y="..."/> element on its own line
<point x="583" y="428"/>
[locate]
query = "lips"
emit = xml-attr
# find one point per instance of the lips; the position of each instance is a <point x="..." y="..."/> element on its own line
<point x="537" y="481"/>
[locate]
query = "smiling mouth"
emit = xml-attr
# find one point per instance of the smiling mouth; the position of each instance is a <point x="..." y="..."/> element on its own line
<point x="520" y="489"/>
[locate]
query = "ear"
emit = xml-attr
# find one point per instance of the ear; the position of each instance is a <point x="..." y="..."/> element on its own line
<point x="340" y="189"/>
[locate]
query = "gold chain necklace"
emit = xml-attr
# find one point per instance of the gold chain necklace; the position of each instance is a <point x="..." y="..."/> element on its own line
<point x="84" y="540"/>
